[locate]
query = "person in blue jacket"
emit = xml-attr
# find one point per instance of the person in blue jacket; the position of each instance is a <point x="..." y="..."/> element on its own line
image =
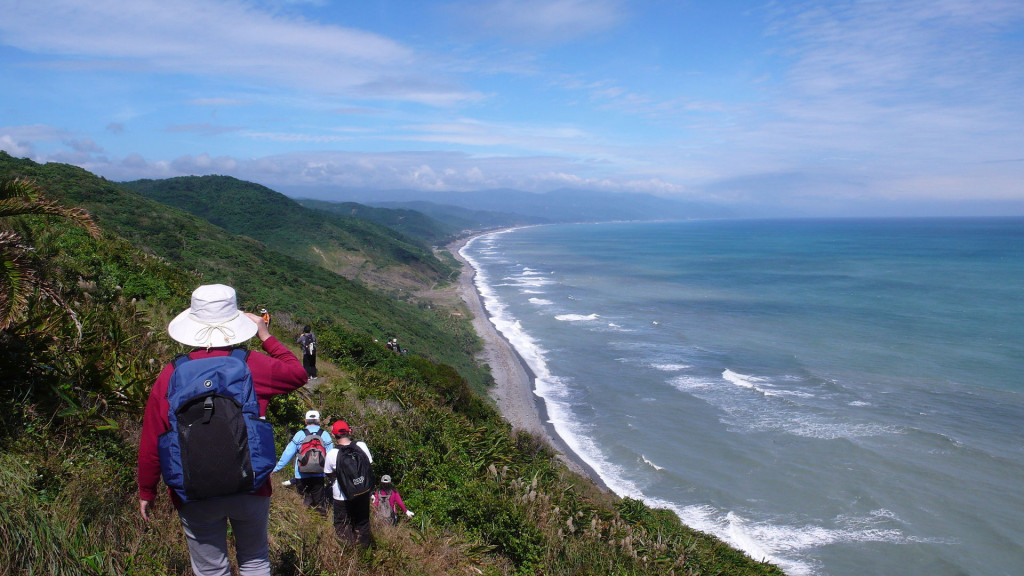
<point x="309" y="478"/>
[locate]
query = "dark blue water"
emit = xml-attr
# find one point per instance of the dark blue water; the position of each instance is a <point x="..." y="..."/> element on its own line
<point x="839" y="397"/>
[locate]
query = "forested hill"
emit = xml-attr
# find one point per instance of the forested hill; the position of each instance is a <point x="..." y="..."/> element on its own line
<point x="409" y="222"/>
<point x="263" y="276"/>
<point x="354" y="247"/>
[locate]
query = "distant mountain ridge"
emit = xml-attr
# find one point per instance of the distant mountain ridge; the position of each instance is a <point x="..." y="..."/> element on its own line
<point x="434" y="223"/>
<point x="564" y="205"/>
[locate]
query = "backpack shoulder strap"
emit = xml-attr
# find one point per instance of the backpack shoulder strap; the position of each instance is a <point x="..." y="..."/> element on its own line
<point x="240" y="353"/>
<point x="180" y="359"/>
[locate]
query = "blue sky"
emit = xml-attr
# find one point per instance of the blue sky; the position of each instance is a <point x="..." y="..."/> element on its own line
<point x="822" y="107"/>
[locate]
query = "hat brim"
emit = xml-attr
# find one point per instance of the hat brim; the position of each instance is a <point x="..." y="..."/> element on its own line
<point x="190" y="332"/>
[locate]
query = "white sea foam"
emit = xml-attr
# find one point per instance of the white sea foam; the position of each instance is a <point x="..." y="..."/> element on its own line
<point x="826" y="429"/>
<point x="780" y="414"/>
<point x="541" y="302"/>
<point x="576" y="317"/>
<point x="550" y="388"/>
<point x="527" y="282"/>
<point x="691" y="383"/>
<point x="786" y="544"/>
<point x="793" y="393"/>
<point x="613" y="327"/>
<point x="670" y="367"/>
<point x="649" y="463"/>
<point x="750" y="382"/>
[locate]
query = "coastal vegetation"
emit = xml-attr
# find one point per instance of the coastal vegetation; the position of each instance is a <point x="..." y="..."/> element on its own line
<point x="77" y="359"/>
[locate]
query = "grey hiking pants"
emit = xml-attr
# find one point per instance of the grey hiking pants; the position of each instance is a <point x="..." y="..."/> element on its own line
<point x="206" y="530"/>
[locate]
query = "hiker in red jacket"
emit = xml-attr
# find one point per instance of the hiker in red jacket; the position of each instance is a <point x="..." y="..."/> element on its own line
<point x="387" y="502"/>
<point x="213" y="324"/>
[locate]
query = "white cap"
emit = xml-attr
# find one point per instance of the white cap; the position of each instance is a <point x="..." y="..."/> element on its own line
<point x="313" y="415"/>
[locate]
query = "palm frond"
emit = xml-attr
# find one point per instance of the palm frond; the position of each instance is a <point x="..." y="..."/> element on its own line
<point x="21" y="197"/>
<point x="17" y="277"/>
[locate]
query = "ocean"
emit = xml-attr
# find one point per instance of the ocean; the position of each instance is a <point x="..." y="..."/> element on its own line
<point x="839" y="397"/>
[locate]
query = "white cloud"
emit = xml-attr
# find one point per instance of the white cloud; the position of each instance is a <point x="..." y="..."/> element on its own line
<point x="544" y="21"/>
<point x="83" y="145"/>
<point x="909" y="95"/>
<point x="224" y="39"/>
<point x="425" y="171"/>
<point x="24" y="141"/>
<point x="219" y="102"/>
<point x="202" y="128"/>
<point x="20" y="149"/>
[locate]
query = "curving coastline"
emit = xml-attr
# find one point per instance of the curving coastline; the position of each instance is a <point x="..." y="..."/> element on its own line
<point x="513" y="390"/>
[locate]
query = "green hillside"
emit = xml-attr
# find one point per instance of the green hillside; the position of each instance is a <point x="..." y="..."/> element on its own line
<point x="409" y="222"/>
<point x="78" y="356"/>
<point x="343" y="243"/>
<point x="263" y="276"/>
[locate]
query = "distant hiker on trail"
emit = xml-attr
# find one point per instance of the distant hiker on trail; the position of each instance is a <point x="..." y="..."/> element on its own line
<point x="308" y="342"/>
<point x="351" y="474"/>
<point x="265" y="315"/>
<point x="309" y="447"/>
<point x="393" y="346"/>
<point x="387" y="502"/>
<point x="203" y="431"/>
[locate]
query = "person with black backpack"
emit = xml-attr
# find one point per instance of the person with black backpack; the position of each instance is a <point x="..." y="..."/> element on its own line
<point x="205" y="433"/>
<point x="309" y="448"/>
<point x="308" y="342"/>
<point x="350" y="471"/>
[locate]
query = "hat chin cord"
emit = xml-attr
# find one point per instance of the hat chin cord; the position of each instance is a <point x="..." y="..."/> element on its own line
<point x="205" y="334"/>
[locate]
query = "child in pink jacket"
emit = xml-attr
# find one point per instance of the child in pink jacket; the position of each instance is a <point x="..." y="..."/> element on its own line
<point x="387" y="502"/>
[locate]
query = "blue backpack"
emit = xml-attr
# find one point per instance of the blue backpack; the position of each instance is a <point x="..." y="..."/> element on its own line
<point x="217" y="444"/>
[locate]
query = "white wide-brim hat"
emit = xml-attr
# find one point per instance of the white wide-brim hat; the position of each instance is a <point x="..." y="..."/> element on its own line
<point x="213" y="320"/>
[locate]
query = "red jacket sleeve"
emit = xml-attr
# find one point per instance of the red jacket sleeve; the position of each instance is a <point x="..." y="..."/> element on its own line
<point x="154" y="423"/>
<point x="277" y="371"/>
<point x="396" y="502"/>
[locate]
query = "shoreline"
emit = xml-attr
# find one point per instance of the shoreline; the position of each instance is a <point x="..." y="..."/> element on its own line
<point x="514" y="381"/>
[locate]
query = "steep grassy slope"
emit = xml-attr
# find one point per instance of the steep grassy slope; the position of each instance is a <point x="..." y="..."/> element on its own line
<point x="343" y="243"/>
<point x="262" y="276"/>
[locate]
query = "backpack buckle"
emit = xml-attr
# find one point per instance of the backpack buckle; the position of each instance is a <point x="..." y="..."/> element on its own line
<point x="207" y="409"/>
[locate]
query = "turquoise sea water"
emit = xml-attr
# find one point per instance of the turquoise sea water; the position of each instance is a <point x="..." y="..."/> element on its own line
<point x="839" y="397"/>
